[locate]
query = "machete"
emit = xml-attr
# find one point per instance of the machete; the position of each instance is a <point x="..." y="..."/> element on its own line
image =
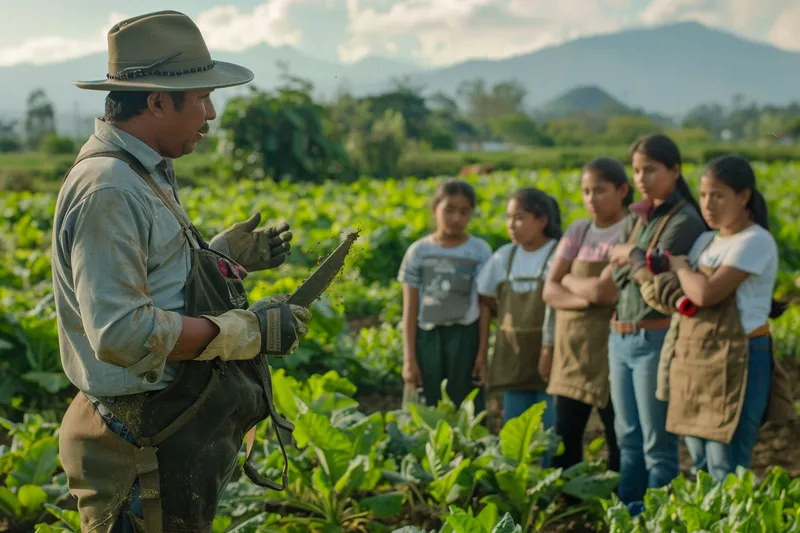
<point x="313" y="287"/>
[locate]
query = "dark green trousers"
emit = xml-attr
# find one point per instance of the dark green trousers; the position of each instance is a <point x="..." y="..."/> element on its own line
<point x="449" y="352"/>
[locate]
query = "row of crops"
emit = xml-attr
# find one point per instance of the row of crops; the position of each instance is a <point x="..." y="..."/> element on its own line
<point x="354" y="468"/>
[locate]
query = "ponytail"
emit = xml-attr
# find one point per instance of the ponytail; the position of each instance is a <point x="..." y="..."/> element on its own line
<point x="553" y="229"/>
<point x="758" y="208"/>
<point x="686" y="192"/>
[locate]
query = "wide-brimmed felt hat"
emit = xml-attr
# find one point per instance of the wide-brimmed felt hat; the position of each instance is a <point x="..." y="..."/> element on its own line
<point x="163" y="51"/>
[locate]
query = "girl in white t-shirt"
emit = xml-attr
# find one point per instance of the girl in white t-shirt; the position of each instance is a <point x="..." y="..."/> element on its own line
<point x="730" y="276"/>
<point x="510" y="286"/>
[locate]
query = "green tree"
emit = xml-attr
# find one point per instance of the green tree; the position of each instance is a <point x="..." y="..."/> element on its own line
<point x="9" y="140"/>
<point x="568" y="132"/>
<point x="626" y="129"/>
<point x="281" y="134"/>
<point x="504" y="98"/>
<point x="40" y="118"/>
<point x="520" y="128"/>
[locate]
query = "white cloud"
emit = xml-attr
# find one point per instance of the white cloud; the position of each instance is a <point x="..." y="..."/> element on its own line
<point x="228" y="28"/>
<point x="54" y="48"/>
<point x="224" y="28"/>
<point x="784" y="32"/>
<point x="746" y="17"/>
<point x="447" y="31"/>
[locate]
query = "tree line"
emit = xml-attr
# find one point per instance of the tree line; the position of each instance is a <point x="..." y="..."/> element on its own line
<point x="286" y="134"/>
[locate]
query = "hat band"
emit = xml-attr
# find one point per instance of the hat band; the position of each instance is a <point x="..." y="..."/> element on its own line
<point x="144" y="72"/>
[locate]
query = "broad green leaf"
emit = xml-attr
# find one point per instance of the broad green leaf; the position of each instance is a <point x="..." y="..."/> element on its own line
<point x="31" y="498"/>
<point x="488" y="516"/>
<point x="507" y="525"/>
<point x="450" y="487"/>
<point x="461" y="522"/>
<point x="385" y="505"/>
<point x="519" y="433"/>
<point x="592" y="486"/>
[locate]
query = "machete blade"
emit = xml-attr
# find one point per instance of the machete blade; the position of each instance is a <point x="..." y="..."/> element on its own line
<point x="313" y="287"/>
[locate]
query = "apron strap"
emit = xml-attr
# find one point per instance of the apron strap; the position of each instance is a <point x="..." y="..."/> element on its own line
<point x="661" y="225"/>
<point x="282" y="425"/>
<point x="192" y="235"/>
<point x="664" y="221"/>
<point x="546" y="259"/>
<point x="511" y="261"/>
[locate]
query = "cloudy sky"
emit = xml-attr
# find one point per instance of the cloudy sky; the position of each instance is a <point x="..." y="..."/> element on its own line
<point x="431" y="32"/>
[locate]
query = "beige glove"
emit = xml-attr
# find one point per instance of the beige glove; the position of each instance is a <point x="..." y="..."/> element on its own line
<point x="252" y="247"/>
<point x="268" y="327"/>
<point x="650" y="297"/>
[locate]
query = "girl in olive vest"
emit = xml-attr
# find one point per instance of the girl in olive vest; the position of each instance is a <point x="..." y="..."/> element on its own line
<point x="667" y="218"/>
<point x="578" y="379"/>
<point x="511" y="285"/>
<point x="441" y="334"/>
<point x="722" y="380"/>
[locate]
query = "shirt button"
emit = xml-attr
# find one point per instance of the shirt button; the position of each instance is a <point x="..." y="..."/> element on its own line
<point x="151" y="376"/>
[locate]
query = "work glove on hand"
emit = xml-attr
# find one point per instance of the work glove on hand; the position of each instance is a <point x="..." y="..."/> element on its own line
<point x="252" y="247"/>
<point x="651" y="298"/>
<point x="269" y="327"/>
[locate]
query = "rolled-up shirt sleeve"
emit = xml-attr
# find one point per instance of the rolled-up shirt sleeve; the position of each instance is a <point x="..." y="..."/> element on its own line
<point x="108" y="243"/>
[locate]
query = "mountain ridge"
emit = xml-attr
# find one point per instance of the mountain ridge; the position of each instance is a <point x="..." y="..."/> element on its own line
<point x="666" y="69"/>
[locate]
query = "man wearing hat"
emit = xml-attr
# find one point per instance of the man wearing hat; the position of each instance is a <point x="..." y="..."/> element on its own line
<point x="154" y="324"/>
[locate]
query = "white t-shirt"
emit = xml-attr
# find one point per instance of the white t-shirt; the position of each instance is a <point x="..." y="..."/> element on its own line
<point x="754" y="251"/>
<point x="526" y="265"/>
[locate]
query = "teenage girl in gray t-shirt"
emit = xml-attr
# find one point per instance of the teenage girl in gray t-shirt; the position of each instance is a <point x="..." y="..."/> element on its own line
<point x="441" y="334"/>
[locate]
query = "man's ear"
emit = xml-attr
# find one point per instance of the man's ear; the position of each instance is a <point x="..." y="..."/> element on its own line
<point x="156" y="103"/>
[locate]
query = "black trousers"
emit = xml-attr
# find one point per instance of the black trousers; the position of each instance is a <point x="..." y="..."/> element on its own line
<point x="571" y="419"/>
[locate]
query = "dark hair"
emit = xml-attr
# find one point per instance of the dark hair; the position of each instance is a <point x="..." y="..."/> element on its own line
<point x="661" y="148"/>
<point x="124" y="105"/>
<point x="455" y="187"/>
<point x="540" y="204"/>
<point x="737" y="173"/>
<point x="613" y="172"/>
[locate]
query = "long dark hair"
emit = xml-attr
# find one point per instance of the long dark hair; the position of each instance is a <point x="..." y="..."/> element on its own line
<point x="661" y="148"/>
<point x="737" y="173"/>
<point x="613" y="172"/>
<point x="539" y="204"/>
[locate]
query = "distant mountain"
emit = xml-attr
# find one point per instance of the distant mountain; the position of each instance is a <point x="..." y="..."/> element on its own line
<point x="665" y="69"/>
<point x="582" y="100"/>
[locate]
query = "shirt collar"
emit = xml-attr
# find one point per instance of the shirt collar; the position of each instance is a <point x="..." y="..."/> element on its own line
<point x="644" y="209"/>
<point x="137" y="148"/>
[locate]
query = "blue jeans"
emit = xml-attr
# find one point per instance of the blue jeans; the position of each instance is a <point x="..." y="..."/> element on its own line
<point x="648" y="452"/>
<point x="134" y="503"/>
<point x="720" y="459"/>
<point x="517" y="402"/>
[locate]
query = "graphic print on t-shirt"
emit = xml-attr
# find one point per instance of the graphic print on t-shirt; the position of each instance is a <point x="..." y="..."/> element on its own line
<point x="447" y="287"/>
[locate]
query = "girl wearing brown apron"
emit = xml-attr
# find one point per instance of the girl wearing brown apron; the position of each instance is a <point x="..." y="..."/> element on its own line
<point x="441" y="334"/>
<point x="724" y="381"/>
<point x="667" y="218"/>
<point x="578" y="379"/>
<point x="511" y="285"/>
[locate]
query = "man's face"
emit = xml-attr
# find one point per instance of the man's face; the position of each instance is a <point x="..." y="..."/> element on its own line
<point x="186" y="125"/>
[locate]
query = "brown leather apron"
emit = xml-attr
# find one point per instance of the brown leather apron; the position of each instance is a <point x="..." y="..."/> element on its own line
<point x="627" y="327"/>
<point x="708" y="374"/>
<point x="518" y="342"/>
<point x="189" y="434"/>
<point x="580" y="354"/>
